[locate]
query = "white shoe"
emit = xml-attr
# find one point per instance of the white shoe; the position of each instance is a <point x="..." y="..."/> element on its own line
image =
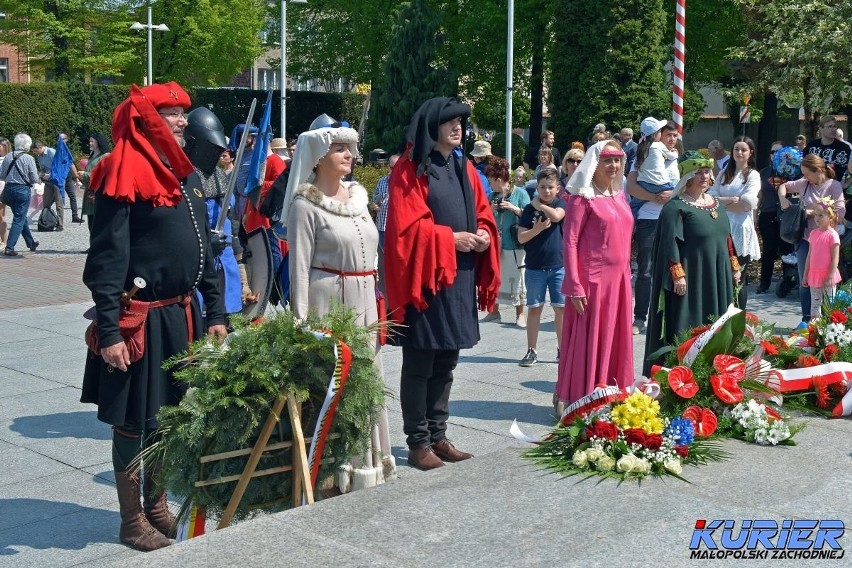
<point x="521" y="321"/>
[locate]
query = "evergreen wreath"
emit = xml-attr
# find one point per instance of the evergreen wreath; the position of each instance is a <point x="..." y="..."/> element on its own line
<point x="232" y="390"/>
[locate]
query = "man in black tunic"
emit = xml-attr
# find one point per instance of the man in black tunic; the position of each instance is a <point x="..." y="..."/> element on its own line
<point x="442" y="255"/>
<point x="150" y="223"/>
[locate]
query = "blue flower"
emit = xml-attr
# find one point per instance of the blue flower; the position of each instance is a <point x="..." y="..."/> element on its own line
<point x="682" y="430"/>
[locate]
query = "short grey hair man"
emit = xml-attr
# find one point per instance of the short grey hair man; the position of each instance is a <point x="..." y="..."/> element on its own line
<point x="23" y="142"/>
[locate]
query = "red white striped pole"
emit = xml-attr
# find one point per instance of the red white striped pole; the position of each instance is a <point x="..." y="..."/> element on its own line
<point x="680" y="50"/>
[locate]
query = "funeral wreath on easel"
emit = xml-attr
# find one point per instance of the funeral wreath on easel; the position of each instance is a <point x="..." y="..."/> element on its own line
<point x="326" y="364"/>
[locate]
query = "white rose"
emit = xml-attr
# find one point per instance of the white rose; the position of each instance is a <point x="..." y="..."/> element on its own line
<point x="673" y="465"/>
<point x="594" y="454"/>
<point x="642" y="466"/>
<point x="605" y="463"/>
<point x="626" y="463"/>
<point x="580" y="459"/>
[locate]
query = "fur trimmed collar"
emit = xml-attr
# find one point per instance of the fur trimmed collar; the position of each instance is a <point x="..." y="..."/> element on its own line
<point x="354" y="206"/>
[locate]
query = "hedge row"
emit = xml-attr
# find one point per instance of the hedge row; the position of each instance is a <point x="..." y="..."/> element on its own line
<point x="44" y="109"/>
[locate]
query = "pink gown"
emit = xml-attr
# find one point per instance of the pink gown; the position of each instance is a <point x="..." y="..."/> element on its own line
<point x="597" y="347"/>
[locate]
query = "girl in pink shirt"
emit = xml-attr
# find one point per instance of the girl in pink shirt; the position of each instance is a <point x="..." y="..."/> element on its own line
<point x="821" y="274"/>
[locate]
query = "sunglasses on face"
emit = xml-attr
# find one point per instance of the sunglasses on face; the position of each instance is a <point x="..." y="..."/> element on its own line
<point x="573" y="161"/>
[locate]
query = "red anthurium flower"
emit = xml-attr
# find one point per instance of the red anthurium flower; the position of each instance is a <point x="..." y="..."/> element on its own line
<point x="730" y="365"/>
<point x="726" y="388"/>
<point x="830" y="351"/>
<point x="634" y="436"/>
<point x="682" y="382"/>
<point x="703" y="420"/>
<point x="769" y="348"/>
<point x="838" y="317"/>
<point x="684" y="347"/>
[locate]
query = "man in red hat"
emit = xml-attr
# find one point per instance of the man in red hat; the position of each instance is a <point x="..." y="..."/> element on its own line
<point x="150" y="224"/>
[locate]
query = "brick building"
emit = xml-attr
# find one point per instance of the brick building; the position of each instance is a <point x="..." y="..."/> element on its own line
<point x="13" y="69"/>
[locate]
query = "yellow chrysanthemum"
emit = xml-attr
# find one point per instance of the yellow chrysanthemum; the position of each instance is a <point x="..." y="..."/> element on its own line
<point x="638" y="411"/>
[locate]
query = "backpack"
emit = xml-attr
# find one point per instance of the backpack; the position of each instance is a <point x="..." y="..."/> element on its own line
<point x="47" y="221"/>
<point x="270" y="206"/>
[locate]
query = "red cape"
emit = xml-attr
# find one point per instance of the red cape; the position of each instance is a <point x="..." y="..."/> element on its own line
<point x="420" y="255"/>
<point x="134" y="170"/>
<point x="252" y="219"/>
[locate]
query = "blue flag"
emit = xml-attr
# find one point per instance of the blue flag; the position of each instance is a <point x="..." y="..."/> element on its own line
<point x="257" y="169"/>
<point x="62" y="162"/>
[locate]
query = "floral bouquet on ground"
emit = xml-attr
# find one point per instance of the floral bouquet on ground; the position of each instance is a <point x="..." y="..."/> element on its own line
<point x="716" y="377"/>
<point x="626" y="439"/>
<point x="815" y="364"/>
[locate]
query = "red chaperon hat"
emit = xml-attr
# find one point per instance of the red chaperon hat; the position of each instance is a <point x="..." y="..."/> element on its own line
<point x="134" y="169"/>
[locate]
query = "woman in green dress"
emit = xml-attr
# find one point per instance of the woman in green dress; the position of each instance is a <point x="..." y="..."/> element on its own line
<point x="695" y="266"/>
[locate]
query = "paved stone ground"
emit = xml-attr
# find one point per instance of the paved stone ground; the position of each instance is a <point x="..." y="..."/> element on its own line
<point x="58" y="505"/>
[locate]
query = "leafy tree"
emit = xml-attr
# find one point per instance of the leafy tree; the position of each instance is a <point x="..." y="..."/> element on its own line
<point x="327" y="40"/>
<point x="798" y="49"/>
<point x="608" y="65"/>
<point x="332" y="39"/>
<point x="409" y="74"/>
<point x="71" y="39"/>
<point x="208" y="42"/>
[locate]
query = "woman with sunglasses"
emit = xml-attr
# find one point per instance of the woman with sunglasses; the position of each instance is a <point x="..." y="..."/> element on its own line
<point x="569" y="165"/>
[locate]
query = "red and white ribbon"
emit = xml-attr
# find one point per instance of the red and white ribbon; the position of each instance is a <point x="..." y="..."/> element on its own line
<point x="804" y="379"/>
<point x="707" y="335"/>
<point x="342" y="366"/>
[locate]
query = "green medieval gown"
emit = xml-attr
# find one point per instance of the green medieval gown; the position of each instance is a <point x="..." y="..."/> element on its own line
<point x="701" y="242"/>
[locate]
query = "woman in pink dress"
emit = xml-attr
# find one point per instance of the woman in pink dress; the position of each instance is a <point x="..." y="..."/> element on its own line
<point x="597" y="341"/>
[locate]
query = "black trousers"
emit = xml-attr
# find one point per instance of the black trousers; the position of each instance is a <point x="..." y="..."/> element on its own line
<point x="71" y="190"/>
<point x="424" y="394"/>
<point x="773" y="245"/>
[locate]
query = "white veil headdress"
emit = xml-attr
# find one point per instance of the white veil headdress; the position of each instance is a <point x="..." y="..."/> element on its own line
<point x="580" y="182"/>
<point x="311" y="146"/>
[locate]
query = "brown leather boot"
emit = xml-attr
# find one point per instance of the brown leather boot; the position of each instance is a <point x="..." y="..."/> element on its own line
<point x="157" y="505"/>
<point x="445" y="450"/>
<point x="424" y="458"/>
<point x="136" y="532"/>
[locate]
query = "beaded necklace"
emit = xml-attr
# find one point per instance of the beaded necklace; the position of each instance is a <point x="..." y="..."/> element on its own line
<point x="712" y="209"/>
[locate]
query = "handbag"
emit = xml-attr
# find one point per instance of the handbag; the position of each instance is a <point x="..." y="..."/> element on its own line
<point x="131" y="323"/>
<point x="5" y="196"/>
<point x="792" y="221"/>
<point x="131" y="326"/>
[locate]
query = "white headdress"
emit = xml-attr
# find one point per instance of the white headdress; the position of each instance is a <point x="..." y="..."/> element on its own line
<point x="581" y="181"/>
<point x="310" y="148"/>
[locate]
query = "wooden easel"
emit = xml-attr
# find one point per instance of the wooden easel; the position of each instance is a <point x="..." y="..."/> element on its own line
<point x="301" y="472"/>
